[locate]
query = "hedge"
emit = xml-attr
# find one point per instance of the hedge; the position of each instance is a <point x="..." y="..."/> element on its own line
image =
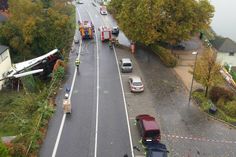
<point x="165" y="55"/>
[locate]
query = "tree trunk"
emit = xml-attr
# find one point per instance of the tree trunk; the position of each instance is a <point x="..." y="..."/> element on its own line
<point x="206" y="91"/>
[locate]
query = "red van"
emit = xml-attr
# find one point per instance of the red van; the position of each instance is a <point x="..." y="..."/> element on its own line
<point x="148" y="128"/>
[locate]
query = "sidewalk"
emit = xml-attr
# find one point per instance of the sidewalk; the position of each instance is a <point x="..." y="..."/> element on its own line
<point x="186" y="63"/>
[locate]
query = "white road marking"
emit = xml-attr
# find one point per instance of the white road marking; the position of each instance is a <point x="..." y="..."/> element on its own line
<point x="125" y="105"/>
<point x="123" y="94"/>
<point x="78" y="14"/>
<point x="64" y="116"/>
<point x="59" y="135"/>
<point x="97" y="99"/>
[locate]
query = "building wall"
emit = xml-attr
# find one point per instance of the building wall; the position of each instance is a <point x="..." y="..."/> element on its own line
<point x="224" y="57"/>
<point x="5" y="64"/>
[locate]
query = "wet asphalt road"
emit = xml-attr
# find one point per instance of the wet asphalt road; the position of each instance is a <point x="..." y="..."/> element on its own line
<point x="78" y="138"/>
<point x="187" y="132"/>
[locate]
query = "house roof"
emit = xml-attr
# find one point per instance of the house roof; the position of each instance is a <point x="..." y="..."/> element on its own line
<point x="224" y="44"/>
<point x="3" y="49"/>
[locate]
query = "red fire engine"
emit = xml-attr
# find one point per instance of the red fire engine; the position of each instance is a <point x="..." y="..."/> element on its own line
<point x="86" y="29"/>
<point x="105" y="33"/>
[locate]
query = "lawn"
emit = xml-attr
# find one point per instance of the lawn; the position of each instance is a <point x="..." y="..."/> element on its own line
<point x="220" y="114"/>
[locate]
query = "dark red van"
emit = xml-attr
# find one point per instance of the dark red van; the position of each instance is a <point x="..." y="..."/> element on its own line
<point x="148" y="128"/>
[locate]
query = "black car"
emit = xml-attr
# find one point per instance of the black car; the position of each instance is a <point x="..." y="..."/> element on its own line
<point x="115" y="30"/>
<point x="156" y="150"/>
<point x="179" y="46"/>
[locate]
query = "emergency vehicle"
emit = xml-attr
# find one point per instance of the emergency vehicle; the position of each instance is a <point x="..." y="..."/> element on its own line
<point x="103" y="10"/>
<point x="105" y="33"/>
<point x="86" y="29"/>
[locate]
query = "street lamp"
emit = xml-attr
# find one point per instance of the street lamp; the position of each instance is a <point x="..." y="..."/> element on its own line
<point x="190" y="92"/>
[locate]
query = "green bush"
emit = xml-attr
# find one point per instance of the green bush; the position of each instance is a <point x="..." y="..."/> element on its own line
<point x="199" y="97"/>
<point x="220" y="92"/>
<point x="221" y="103"/>
<point x="18" y="149"/>
<point x="59" y="73"/>
<point x="165" y="55"/>
<point x="233" y="74"/>
<point x="230" y="108"/>
<point x="3" y="150"/>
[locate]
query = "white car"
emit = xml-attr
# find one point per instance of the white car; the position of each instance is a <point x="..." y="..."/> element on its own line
<point x="135" y="84"/>
<point x="126" y="65"/>
<point x="103" y="12"/>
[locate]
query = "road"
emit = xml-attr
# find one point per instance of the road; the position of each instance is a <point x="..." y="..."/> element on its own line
<point x="98" y="125"/>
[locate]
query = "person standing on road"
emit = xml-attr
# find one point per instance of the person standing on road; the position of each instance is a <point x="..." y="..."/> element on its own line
<point x="77" y="63"/>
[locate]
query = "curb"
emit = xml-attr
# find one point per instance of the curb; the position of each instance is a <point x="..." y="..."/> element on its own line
<point x="214" y="118"/>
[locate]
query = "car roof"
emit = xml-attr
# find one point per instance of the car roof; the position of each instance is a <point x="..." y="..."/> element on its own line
<point x="157" y="150"/>
<point x="156" y="146"/>
<point x="158" y="154"/>
<point x="126" y="60"/>
<point x="136" y="78"/>
<point x="149" y="123"/>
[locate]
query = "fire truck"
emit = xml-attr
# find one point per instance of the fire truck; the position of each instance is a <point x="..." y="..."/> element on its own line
<point x="105" y="33"/>
<point x="86" y="29"/>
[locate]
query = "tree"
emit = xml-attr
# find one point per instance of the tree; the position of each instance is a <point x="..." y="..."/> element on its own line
<point x="171" y="21"/>
<point x="207" y="70"/>
<point x="35" y="27"/>
<point x="126" y="18"/>
<point x="115" y="6"/>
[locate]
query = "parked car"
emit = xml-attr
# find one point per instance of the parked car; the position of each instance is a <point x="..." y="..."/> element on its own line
<point x="179" y="46"/>
<point x="103" y="10"/>
<point x="126" y="65"/>
<point x="156" y="150"/>
<point x="149" y="129"/>
<point x="136" y="84"/>
<point x="115" y="30"/>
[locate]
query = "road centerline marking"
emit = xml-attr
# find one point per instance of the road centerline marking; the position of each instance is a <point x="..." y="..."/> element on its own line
<point x="97" y="98"/>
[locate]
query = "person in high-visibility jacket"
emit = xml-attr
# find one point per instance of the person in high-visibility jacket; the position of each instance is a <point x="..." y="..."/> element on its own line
<point x="77" y="62"/>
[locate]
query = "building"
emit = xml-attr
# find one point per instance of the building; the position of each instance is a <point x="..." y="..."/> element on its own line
<point x="5" y="63"/>
<point x="226" y="50"/>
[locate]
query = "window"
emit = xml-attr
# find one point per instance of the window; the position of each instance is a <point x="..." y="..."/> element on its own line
<point x="4" y="55"/>
<point x="231" y="54"/>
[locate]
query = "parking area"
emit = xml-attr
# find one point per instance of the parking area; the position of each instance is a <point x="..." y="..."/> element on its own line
<point x="137" y="103"/>
<point x="185" y="130"/>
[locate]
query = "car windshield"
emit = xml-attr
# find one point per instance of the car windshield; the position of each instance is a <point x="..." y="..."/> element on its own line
<point x="152" y="134"/>
<point x="127" y="64"/>
<point x="137" y="83"/>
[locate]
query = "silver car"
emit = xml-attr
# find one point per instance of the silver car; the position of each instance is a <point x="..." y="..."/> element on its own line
<point x="126" y="65"/>
<point x="135" y="84"/>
